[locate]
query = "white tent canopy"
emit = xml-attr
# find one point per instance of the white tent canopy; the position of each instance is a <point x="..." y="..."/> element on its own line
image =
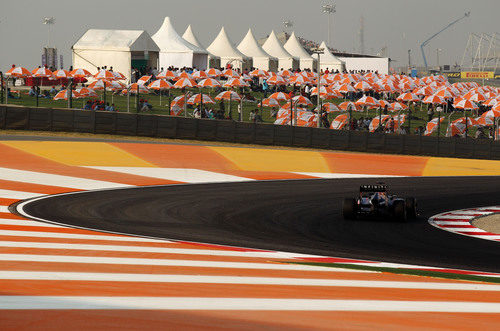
<point x="261" y="60"/>
<point x="274" y="48"/>
<point x="176" y="51"/>
<point x="189" y="36"/>
<point x="223" y="47"/>
<point x="114" y="48"/>
<point x="328" y="60"/>
<point x="294" y="47"/>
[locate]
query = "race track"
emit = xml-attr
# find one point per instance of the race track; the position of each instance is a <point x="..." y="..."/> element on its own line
<point x="301" y="216"/>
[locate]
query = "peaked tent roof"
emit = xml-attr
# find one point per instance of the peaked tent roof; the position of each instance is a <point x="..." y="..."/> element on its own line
<point x="190" y="37"/>
<point x="116" y="40"/>
<point x="274" y="48"/>
<point x="170" y="41"/>
<point x="327" y="56"/>
<point x="294" y="47"/>
<point x="250" y="47"/>
<point x="223" y="47"/>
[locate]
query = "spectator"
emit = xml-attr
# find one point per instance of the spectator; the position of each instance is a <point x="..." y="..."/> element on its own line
<point x="251" y="116"/>
<point x="53" y="91"/>
<point x="32" y="92"/>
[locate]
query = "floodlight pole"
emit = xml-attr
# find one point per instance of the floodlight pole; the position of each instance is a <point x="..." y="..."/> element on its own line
<point x="329" y="9"/>
<point x="319" y="51"/>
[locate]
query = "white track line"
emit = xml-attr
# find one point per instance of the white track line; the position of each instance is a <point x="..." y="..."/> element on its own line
<point x="166" y="262"/>
<point x="9" y="194"/>
<point x="197" y="279"/>
<point x="4" y="209"/>
<point x="42" y="178"/>
<point x="190" y="303"/>
<point x="12" y="221"/>
<point x="340" y="175"/>
<point x="40" y="234"/>
<point x="165" y="250"/>
<point x="177" y="174"/>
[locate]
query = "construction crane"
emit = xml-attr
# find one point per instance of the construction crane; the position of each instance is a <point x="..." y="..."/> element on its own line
<point x="467" y="14"/>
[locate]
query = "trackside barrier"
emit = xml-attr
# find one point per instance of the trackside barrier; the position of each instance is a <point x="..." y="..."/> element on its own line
<point x="147" y="125"/>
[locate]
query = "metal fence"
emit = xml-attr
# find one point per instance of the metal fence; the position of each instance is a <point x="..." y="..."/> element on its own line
<point x="161" y="126"/>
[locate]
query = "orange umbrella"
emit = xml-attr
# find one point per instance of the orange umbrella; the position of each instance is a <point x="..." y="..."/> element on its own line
<point x="104" y="74"/>
<point x="408" y="97"/>
<point x="345" y="88"/>
<point x="133" y="88"/>
<point x="368" y="101"/>
<point x="144" y="80"/>
<point x="269" y="103"/>
<point x="86" y="92"/>
<point x="18" y="72"/>
<point x="178" y="101"/>
<point x="212" y="72"/>
<point x="228" y="95"/>
<point x="348" y="105"/>
<point x="159" y="84"/>
<point x="299" y="80"/>
<point x="301" y="100"/>
<point x="63" y="95"/>
<point x="118" y="75"/>
<point x="184" y="82"/>
<point x="235" y="82"/>
<point x="166" y="75"/>
<point x="434" y="99"/>
<point x="80" y="73"/>
<point x="280" y="96"/>
<point x="185" y="74"/>
<point x="477" y="97"/>
<point x="285" y="73"/>
<point x="329" y="107"/>
<point x="397" y="106"/>
<point x="276" y="80"/>
<point x="208" y="82"/>
<point x="200" y="74"/>
<point x="100" y="84"/>
<point x="375" y="123"/>
<point x="432" y="126"/>
<point x="363" y="86"/>
<point x="340" y="122"/>
<point x="259" y="73"/>
<point x="41" y="73"/>
<point x="61" y="74"/>
<point x="465" y="104"/>
<point x="197" y="98"/>
<point x="230" y="73"/>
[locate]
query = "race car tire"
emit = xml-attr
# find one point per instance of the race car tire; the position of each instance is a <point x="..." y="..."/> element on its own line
<point x="411" y="207"/>
<point x="349" y="208"/>
<point x="400" y="211"/>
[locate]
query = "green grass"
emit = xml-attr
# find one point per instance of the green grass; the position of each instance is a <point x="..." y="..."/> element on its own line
<point x="419" y="116"/>
<point x="404" y="271"/>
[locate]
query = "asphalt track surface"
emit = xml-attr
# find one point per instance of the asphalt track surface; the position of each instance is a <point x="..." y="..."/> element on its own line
<point x="301" y="216"/>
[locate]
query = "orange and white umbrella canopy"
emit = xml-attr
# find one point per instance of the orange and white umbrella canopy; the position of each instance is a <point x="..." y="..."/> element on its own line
<point x="213" y="72"/>
<point x="496" y="106"/>
<point x="384" y="103"/>
<point x="345" y="88"/>
<point x="184" y="83"/>
<point x="407" y="97"/>
<point x="144" y="80"/>
<point x="329" y="107"/>
<point x="492" y="113"/>
<point x="398" y="120"/>
<point x="118" y="75"/>
<point x="235" y="82"/>
<point x="199" y="98"/>
<point x="116" y="85"/>
<point x="348" y="105"/>
<point x="209" y="82"/>
<point x="491" y="102"/>
<point x="178" y="101"/>
<point x="18" y="72"/>
<point x="432" y="126"/>
<point x="476" y="97"/>
<point x="86" y="92"/>
<point x="167" y="75"/>
<point x="484" y="121"/>
<point x="367" y="101"/>
<point x="133" y="88"/>
<point x="184" y="74"/>
<point x="269" y="103"/>
<point x="200" y="74"/>
<point x="280" y="96"/>
<point x="434" y="99"/>
<point x="375" y="123"/>
<point x="307" y="119"/>
<point x="259" y="73"/>
<point x="398" y="106"/>
<point x="230" y="73"/>
<point x="285" y="73"/>
<point x="63" y="95"/>
<point x="465" y="104"/>
<point x="426" y="90"/>
<point x="299" y="80"/>
<point x="80" y="73"/>
<point x="228" y="95"/>
<point x="159" y="84"/>
<point x="301" y="100"/>
<point x="340" y="122"/>
<point x="41" y="73"/>
<point x="100" y="84"/>
<point x="61" y="74"/>
<point x="104" y="74"/>
<point x="363" y="86"/>
<point x="445" y="93"/>
<point x="276" y="80"/>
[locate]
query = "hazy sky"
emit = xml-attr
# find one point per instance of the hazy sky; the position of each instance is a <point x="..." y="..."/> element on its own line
<point x="398" y="24"/>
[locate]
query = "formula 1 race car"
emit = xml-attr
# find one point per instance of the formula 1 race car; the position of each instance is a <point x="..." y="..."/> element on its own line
<point x="374" y="200"/>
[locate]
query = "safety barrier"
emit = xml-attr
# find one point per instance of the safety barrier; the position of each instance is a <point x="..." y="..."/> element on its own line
<point x="147" y="125"/>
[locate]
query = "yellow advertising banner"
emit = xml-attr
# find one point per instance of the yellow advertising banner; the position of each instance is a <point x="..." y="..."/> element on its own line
<point x="478" y="74"/>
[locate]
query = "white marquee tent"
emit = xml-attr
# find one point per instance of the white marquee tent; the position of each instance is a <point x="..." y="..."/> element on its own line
<point x="189" y="36"/>
<point x="261" y="60"/>
<point x="223" y="47"/>
<point x="176" y="51"/>
<point x="274" y="48"/>
<point x="328" y="60"/>
<point x="294" y="47"/>
<point x="120" y="49"/>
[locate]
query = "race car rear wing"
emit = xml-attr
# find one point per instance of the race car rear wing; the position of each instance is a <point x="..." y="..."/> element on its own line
<point x="373" y="188"/>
